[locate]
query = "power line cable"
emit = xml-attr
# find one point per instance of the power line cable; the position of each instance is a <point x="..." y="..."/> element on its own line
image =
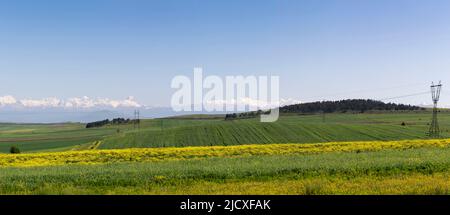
<point x="366" y="90"/>
<point x="403" y="96"/>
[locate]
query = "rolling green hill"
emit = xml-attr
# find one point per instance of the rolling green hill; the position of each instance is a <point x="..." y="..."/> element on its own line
<point x="48" y="137"/>
<point x="213" y="130"/>
<point x="289" y="129"/>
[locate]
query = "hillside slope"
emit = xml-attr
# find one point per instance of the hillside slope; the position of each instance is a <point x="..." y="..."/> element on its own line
<point x="289" y="129"/>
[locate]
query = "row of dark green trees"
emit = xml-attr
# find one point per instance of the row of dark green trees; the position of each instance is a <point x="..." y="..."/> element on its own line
<point x="116" y="121"/>
<point x="341" y="106"/>
<point x="245" y="115"/>
<point x="350" y="105"/>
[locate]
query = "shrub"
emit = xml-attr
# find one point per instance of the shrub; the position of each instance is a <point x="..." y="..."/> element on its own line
<point x="14" y="150"/>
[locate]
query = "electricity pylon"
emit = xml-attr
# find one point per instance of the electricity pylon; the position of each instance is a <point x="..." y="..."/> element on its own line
<point x="137" y="120"/>
<point x="435" y="94"/>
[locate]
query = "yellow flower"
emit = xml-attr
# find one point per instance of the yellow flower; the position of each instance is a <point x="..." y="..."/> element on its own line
<point x="161" y="154"/>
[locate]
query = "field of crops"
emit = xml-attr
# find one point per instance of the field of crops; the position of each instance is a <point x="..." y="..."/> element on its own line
<point x="213" y="131"/>
<point x="289" y="129"/>
<point x="48" y="137"/>
<point x="372" y="153"/>
<point x="422" y="170"/>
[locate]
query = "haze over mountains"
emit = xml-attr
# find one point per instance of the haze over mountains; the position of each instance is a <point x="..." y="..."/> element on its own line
<point x="86" y="109"/>
<point x="78" y="109"/>
<point x="58" y="115"/>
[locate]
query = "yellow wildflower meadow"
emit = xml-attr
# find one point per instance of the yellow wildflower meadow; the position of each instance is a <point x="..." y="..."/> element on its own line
<point x="163" y="154"/>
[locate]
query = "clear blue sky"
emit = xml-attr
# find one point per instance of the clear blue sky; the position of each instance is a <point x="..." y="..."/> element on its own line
<point x="321" y="49"/>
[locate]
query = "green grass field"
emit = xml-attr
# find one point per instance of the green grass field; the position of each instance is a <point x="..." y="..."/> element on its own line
<point x="393" y="170"/>
<point x="412" y="171"/>
<point x="289" y="129"/>
<point x="211" y="131"/>
<point x="48" y="137"/>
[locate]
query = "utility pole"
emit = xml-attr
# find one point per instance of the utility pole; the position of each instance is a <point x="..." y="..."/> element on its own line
<point x="138" y="119"/>
<point x="435" y="94"/>
<point x="134" y="119"/>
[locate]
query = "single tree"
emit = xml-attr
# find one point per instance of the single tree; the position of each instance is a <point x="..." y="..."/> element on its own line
<point x="14" y="150"/>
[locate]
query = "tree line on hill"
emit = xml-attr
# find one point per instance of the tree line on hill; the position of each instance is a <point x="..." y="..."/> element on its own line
<point x="115" y="121"/>
<point x="245" y="115"/>
<point x="342" y="106"/>
<point x="349" y="105"/>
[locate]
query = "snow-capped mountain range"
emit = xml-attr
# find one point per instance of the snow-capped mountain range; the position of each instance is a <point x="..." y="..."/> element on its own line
<point x="87" y="109"/>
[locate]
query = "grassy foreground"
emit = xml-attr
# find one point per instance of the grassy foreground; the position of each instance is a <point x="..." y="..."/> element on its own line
<point x="397" y="167"/>
<point x="411" y="171"/>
